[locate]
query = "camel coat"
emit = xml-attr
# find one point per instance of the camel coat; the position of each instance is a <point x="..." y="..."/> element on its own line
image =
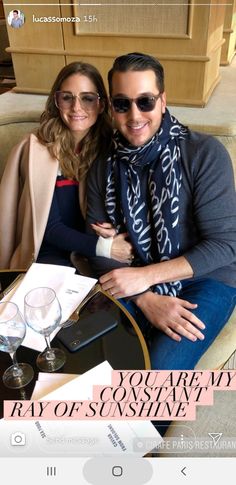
<point x="26" y="192"/>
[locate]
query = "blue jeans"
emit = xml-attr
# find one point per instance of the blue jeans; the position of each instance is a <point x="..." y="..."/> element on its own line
<point x="216" y="302"/>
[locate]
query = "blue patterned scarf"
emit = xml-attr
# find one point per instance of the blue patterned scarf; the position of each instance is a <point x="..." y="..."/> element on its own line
<point x="142" y="195"/>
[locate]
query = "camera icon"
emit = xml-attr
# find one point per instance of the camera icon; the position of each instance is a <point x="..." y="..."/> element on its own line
<point x="17" y="439"/>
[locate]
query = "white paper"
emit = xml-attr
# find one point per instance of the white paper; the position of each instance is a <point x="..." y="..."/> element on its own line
<point x="57" y="377"/>
<point x="81" y="388"/>
<point x="70" y="289"/>
<point x="49" y="382"/>
<point x="80" y="438"/>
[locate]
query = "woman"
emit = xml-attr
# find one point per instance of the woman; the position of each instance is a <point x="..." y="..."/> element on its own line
<point x="42" y="192"/>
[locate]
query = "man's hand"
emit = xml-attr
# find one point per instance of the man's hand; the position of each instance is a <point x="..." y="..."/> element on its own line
<point x="125" y="282"/>
<point x="171" y="315"/>
<point x="121" y="249"/>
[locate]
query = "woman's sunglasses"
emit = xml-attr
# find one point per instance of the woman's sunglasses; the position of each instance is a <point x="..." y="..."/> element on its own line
<point x="65" y="100"/>
<point x="143" y="103"/>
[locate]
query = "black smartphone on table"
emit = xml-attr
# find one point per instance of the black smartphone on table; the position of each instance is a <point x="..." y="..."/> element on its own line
<point x="87" y="329"/>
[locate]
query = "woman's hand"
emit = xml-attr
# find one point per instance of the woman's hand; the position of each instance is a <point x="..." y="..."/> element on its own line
<point x="123" y="282"/>
<point x="171" y="315"/>
<point x="104" y="229"/>
<point x="122" y="250"/>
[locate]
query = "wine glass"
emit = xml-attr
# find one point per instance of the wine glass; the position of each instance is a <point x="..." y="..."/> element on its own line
<point x="12" y="333"/>
<point x="43" y="315"/>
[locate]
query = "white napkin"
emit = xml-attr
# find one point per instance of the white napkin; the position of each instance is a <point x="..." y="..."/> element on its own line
<point x="71" y="289"/>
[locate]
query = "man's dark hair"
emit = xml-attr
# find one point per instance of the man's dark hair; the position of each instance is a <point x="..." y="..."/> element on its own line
<point x="136" y="61"/>
<point x="16" y="11"/>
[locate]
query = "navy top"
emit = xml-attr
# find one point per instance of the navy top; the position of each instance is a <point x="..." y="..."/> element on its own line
<point x="65" y="228"/>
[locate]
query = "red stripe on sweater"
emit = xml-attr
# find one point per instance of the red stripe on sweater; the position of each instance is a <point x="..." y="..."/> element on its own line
<point x="62" y="183"/>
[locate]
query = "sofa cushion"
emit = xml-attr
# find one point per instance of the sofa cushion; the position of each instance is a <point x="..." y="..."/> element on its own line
<point x="10" y="135"/>
<point x="19" y="114"/>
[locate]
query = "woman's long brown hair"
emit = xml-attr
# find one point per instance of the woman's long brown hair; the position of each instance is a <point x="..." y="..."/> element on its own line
<point x="57" y="137"/>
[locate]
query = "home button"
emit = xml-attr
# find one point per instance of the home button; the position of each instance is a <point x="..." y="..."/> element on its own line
<point x="117" y="470"/>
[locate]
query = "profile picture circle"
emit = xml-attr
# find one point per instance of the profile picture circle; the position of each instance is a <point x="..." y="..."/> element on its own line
<point x="16" y="18"/>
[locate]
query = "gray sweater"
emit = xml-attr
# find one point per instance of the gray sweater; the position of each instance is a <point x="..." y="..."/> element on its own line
<point x="207" y="209"/>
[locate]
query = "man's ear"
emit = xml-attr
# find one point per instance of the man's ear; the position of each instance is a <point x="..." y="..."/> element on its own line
<point x="163" y="102"/>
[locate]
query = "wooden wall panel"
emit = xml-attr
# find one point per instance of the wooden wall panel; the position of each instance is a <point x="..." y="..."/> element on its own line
<point x="190" y="53"/>
<point x="37" y="35"/>
<point x="35" y="73"/>
<point x="229" y="34"/>
<point x="191" y="57"/>
<point x="187" y="43"/>
<point x="212" y="76"/>
<point x="215" y="26"/>
<point x="36" y="48"/>
<point x="132" y="19"/>
<point x="2" y="16"/>
<point x="184" y="82"/>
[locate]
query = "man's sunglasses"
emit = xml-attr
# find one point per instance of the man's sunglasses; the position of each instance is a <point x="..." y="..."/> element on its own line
<point x="144" y="103"/>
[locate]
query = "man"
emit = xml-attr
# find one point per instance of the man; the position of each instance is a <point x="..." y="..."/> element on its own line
<point x="17" y="21"/>
<point x="172" y="190"/>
